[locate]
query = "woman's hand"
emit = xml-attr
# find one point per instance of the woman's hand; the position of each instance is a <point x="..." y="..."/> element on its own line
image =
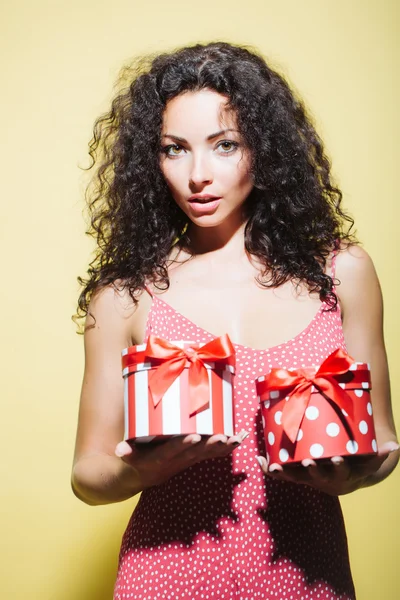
<point x="340" y="476"/>
<point x="154" y="464"/>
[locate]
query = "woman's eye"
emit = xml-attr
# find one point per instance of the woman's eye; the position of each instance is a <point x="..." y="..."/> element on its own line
<point x="173" y="150"/>
<point x="227" y="147"/>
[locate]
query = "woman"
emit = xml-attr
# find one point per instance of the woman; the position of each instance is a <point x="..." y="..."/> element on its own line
<point x="215" y="212"/>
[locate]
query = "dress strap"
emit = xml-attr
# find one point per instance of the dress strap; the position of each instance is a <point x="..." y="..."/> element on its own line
<point x="333" y="264"/>
<point x="335" y="252"/>
<point x="148" y="290"/>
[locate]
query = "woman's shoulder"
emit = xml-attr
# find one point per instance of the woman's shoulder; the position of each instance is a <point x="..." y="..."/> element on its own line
<point x="353" y="261"/>
<point x="356" y="278"/>
<point x="113" y="309"/>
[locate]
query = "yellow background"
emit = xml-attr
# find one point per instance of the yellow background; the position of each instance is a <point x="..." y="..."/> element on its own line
<point x="59" y="60"/>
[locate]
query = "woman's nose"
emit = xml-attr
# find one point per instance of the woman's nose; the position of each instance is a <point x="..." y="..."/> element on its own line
<point x="201" y="171"/>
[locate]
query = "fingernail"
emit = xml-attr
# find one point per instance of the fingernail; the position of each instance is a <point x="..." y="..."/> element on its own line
<point x="275" y="469"/>
<point x="260" y="461"/>
<point x="394" y="448"/>
<point x="119" y="450"/>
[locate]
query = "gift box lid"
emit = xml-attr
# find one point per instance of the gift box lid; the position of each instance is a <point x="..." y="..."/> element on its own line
<point x="356" y="376"/>
<point x="134" y="358"/>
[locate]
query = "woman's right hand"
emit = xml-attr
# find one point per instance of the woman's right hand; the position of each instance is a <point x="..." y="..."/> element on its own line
<point x="154" y="464"/>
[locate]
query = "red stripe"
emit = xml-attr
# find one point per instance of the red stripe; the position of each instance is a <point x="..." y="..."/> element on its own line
<point x="155" y="416"/>
<point x="131" y="407"/>
<point x="188" y="424"/>
<point x="217" y="401"/>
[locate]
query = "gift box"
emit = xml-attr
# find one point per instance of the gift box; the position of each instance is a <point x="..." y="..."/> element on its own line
<point x="177" y="388"/>
<point x="317" y="413"/>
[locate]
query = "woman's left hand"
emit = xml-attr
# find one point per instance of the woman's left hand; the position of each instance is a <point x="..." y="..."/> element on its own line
<point x="340" y="476"/>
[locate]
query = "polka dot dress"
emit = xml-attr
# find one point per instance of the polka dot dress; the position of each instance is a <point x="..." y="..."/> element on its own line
<point x="221" y="530"/>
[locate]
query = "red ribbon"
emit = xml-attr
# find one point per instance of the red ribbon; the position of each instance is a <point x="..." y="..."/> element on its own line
<point x="171" y="361"/>
<point x="302" y="381"/>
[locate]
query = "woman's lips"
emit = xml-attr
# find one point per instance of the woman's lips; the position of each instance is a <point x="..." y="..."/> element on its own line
<point x="203" y="206"/>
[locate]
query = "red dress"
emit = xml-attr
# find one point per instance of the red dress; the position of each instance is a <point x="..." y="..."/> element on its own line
<point x="220" y="529"/>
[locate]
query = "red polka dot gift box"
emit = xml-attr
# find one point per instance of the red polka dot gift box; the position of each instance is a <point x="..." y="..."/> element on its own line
<point x="317" y="413"/>
<point x="177" y="388"/>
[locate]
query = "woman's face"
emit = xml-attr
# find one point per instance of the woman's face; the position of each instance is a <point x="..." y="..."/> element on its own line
<point x="204" y="160"/>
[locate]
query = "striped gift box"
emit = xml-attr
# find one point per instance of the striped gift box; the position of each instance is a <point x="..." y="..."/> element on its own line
<point x="145" y="421"/>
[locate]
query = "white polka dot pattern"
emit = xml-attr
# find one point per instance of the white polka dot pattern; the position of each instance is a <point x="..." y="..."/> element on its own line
<point x="220" y="530"/>
<point x="312" y="413"/>
<point x="332" y="429"/>
<point x="283" y="455"/>
<point x="316" y="450"/>
<point x="352" y="446"/>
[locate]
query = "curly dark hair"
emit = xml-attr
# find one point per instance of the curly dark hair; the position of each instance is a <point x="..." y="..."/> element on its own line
<point x="294" y="217"/>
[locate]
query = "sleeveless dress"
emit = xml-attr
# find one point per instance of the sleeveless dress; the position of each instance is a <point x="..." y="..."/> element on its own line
<point x="221" y="529"/>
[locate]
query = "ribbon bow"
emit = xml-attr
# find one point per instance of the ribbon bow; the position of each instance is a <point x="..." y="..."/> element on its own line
<point x="301" y="382"/>
<point x="171" y="361"/>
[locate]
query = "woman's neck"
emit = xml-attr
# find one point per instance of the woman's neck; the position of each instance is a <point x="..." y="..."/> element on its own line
<point x="213" y="241"/>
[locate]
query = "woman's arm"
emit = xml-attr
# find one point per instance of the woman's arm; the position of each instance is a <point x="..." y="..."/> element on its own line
<point x="106" y="470"/>
<point x="98" y="476"/>
<point x="362" y="315"/>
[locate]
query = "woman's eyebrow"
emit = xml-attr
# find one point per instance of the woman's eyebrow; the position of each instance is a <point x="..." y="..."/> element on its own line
<point x="210" y="137"/>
